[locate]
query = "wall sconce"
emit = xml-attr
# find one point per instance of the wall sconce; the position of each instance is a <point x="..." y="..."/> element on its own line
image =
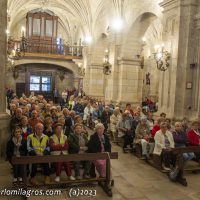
<point x="106" y="65"/>
<point x="61" y="74"/>
<point x="12" y="68"/>
<point x="162" y="57"/>
<point x="141" y="60"/>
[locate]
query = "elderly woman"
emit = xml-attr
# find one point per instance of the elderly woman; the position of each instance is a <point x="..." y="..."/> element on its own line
<point x="164" y="141"/>
<point x="78" y="142"/>
<point x="59" y="146"/>
<point x="142" y="136"/>
<point x="180" y="139"/>
<point x="99" y="142"/>
<point x="114" y="119"/>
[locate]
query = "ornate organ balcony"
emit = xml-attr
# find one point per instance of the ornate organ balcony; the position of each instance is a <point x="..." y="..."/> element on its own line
<point x="33" y="49"/>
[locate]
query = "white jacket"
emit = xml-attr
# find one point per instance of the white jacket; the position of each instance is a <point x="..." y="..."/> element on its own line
<point x="160" y="141"/>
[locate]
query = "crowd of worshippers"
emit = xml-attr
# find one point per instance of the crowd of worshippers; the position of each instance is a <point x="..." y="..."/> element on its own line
<point x="41" y="127"/>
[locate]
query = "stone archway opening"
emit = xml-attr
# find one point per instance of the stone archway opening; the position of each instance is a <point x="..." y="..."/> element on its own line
<point x="41" y="78"/>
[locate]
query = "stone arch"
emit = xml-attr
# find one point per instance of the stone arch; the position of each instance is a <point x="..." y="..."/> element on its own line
<point x="67" y="65"/>
<point x="134" y="36"/>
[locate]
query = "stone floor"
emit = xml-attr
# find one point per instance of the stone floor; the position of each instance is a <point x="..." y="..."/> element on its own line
<point x="134" y="180"/>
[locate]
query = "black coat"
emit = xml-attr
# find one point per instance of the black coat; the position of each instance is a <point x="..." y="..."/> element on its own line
<point x="10" y="149"/>
<point x="94" y="144"/>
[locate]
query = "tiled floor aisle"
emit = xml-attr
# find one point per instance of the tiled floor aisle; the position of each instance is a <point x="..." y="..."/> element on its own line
<point x="134" y="180"/>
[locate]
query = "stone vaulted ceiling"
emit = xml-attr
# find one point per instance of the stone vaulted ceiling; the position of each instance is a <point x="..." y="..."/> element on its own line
<point x="84" y="15"/>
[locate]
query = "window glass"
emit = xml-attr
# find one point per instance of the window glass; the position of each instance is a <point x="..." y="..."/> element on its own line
<point x="40" y="83"/>
<point x="46" y="87"/>
<point x="34" y="79"/>
<point x="46" y="79"/>
<point x="34" y="87"/>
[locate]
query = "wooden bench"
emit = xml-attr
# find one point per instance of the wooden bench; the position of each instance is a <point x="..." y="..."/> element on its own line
<point x="180" y="160"/>
<point x="104" y="182"/>
<point x="156" y="161"/>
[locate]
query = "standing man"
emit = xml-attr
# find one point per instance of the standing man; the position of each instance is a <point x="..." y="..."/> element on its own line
<point x="55" y="96"/>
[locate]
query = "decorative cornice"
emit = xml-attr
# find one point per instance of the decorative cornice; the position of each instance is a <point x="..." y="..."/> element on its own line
<point x="96" y="66"/>
<point x="171" y="4"/>
<point x="129" y="61"/>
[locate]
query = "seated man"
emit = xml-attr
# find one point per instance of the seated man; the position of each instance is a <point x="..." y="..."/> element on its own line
<point x="142" y="136"/>
<point x="180" y="139"/>
<point x="124" y="128"/>
<point x="164" y="141"/>
<point x="34" y="119"/>
<point x="37" y="145"/>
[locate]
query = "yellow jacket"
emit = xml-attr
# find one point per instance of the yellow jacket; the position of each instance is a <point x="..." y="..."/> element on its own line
<point x="38" y="145"/>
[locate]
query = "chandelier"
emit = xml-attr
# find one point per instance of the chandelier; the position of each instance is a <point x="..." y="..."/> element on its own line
<point x="162" y="57"/>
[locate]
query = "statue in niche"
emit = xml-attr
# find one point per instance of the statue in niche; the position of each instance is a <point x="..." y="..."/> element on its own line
<point x="15" y="74"/>
<point x="148" y="78"/>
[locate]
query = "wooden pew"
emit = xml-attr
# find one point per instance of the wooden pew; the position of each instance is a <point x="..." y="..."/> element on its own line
<point x="104" y="182"/>
<point x="179" y="153"/>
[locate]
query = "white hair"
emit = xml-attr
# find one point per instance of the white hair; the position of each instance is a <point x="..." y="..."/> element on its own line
<point x="99" y="125"/>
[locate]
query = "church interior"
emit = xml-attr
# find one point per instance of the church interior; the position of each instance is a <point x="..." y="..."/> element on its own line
<point x="104" y="90"/>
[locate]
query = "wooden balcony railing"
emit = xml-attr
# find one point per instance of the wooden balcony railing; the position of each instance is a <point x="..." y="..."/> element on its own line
<point x="46" y="48"/>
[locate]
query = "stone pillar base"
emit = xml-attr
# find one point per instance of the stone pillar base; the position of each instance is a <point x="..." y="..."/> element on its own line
<point x="4" y="133"/>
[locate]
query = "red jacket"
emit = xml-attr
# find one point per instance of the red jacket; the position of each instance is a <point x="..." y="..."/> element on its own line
<point x="193" y="138"/>
<point x="155" y="129"/>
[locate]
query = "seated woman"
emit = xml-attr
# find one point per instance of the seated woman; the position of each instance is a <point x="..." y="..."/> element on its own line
<point x="78" y="142"/>
<point x="59" y="146"/>
<point x="156" y="126"/>
<point x="164" y="141"/>
<point x="180" y="139"/>
<point x="99" y="142"/>
<point x="114" y="119"/>
<point x="194" y="137"/>
<point x="16" y="146"/>
<point x="142" y="136"/>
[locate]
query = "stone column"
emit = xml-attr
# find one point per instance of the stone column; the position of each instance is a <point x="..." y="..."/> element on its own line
<point x="196" y="95"/>
<point x="112" y="81"/>
<point x="178" y="23"/>
<point x="130" y="81"/>
<point x="4" y="118"/>
<point x="96" y="80"/>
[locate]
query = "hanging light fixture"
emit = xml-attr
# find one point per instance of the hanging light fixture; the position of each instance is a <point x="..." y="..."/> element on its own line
<point x="162" y="57"/>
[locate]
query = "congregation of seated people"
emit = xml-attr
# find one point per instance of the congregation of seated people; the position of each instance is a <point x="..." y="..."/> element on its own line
<point x="40" y="127"/>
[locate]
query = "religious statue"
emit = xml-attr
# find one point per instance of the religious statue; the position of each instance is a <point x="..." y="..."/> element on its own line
<point x="148" y="78"/>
